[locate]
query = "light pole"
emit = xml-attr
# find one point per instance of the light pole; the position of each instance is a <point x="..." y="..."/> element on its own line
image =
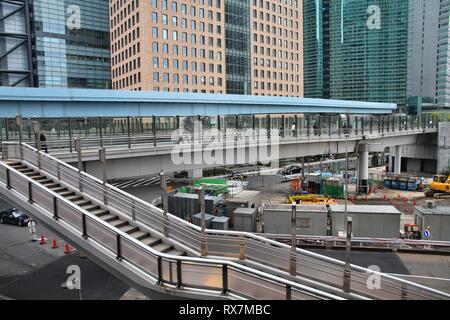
<point x="346" y="176"/>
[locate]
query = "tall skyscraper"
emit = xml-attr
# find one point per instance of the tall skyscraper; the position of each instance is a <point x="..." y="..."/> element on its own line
<point x="360" y="45"/>
<point x="16" y="64"/>
<point x="208" y="46"/>
<point x="443" y="82"/>
<point x="72" y="43"/>
<point x="69" y="43"/>
<point x="428" y="54"/>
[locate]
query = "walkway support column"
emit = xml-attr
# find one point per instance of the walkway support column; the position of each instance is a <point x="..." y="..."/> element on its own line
<point x="398" y="160"/>
<point x="363" y="168"/>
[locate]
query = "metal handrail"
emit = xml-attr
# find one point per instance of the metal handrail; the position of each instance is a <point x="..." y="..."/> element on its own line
<point x="248" y="236"/>
<point x="155" y="253"/>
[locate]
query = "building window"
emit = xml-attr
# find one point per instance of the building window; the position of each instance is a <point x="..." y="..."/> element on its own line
<point x="155" y="32"/>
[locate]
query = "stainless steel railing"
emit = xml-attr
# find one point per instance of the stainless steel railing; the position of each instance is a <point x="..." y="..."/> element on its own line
<point x="213" y="276"/>
<point x="257" y="250"/>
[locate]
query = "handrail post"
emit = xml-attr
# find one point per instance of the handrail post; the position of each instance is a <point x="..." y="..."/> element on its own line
<point x="8" y="179"/>
<point x="70" y="134"/>
<point x="293" y="255"/>
<point x="19" y="124"/>
<point x="30" y="192"/>
<point x="201" y="199"/>
<point x="225" y="279"/>
<point x="6" y="129"/>
<point x="119" y="247"/>
<point x="241" y="248"/>
<point x="37" y="131"/>
<point x="296" y="126"/>
<point x="404" y="292"/>
<point x="179" y="275"/>
<point x="160" y="272"/>
<point x="102" y="158"/>
<point x="100" y="124"/>
<point x="128" y="132"/>
<point x="80" y="163"/>
<point x="83" y="220"/>
<point x="165" y="203"/>
<point x="288" y="292"/>
<point x="55" y="209"/>
<point x="58" y="170"/>
<point x="268" y="126"/>
<point x="347" y="268"/>
<point x="154" y="130"/>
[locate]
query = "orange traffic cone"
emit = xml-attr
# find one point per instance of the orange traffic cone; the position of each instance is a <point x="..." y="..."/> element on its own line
<point x="398" y="197"/>
<point x="414" y="202"/>
<point x="54" y="245"/>
<point x="67" y="251"/>
<point x="42" y="241"/>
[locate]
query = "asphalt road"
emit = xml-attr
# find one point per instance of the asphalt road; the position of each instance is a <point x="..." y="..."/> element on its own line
<point x="29" y="271"/>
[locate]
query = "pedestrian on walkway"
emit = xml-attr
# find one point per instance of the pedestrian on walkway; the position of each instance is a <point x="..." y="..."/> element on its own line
<point x="43" y="142"/>
<point x="32" y="229"/>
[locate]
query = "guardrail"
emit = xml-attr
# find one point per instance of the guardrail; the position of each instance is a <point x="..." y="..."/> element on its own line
<point x="99" y="131"/>
<point x="313" y="268"/>
<point x="173" y="272"/>
<point x="424" y="246"/>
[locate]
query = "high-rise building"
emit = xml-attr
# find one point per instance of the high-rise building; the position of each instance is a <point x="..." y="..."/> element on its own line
<point x="16" y="64"/>
<point x="360" y="45"/>
<point x="68" y="43"/>
<point x="428" y="54"/>
<point x="208" y="46"/>
<point x="72" y="43"/>
<point x="443" y="80"/>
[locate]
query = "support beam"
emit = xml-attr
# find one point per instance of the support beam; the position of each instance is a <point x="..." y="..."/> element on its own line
<point x="363" y="171"/>
<point x="398" y="160"/>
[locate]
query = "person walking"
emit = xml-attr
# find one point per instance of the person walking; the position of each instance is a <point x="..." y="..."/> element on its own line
<point x="32" y="229"/>
<point x="43" y="139"/>
<point x="293" y="129"/>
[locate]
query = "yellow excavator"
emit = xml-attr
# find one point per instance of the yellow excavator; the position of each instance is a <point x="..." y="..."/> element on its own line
<point x="439" y="187"/>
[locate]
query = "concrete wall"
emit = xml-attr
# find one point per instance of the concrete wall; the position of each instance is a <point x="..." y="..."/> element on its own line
<point x="443" y="156"/>
<point x="439" y="226"/>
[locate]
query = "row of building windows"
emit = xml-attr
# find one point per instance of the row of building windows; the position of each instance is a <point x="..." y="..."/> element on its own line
<point x="185" y="51"/>
<point x="275" y="31"/>
<point x="276" y="19"/>
<point x="195" y="80"/>
<point x="128" y="81"/>
<point x="124" y="41"/>
<point x="116" y="6"/>
<point x="281" y="43"/>
<point x="184" y="22"/>
<point x="167" y="89"/>
<point x="194" y="65"/>
<point x="276" y="86"/>
<point x="164" y="5"/>
<point x="127" y="67"/>
<point x="281" y="76"/>
<point x="275" y="53"/>
<point x="126" y="54"/>
<point x="273" y="5"/>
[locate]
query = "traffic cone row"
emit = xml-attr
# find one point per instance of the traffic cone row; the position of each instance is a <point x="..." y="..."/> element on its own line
<point x="42" y="241"/>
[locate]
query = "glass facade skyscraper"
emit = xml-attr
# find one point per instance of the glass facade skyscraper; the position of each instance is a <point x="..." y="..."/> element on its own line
<point x="366" y="52"/>
<point x="68" y="55"/>
<point x="443" y="79"/>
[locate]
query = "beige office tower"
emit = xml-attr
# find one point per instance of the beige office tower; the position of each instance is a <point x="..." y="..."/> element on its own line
<point x="208" y="46"/>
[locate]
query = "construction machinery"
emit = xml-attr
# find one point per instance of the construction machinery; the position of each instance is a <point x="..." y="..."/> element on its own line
<point x="439" y="187"/>
<point x="310" y="199"/>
